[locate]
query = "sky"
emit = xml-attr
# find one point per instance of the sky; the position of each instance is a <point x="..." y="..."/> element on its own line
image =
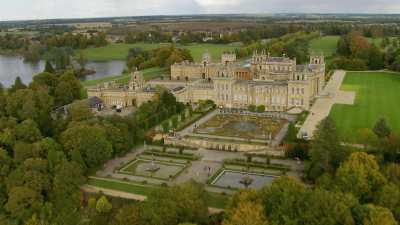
<point x="51" y="9"/>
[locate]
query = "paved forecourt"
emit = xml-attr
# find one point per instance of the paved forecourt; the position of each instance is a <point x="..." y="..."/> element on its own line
<point x="330" y="95"/>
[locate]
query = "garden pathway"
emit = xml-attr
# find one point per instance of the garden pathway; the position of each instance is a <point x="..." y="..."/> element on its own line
<point x="330" y="95"/>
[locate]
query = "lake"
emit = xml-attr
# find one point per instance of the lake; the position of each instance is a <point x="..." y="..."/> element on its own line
<point x="13" y="66"/>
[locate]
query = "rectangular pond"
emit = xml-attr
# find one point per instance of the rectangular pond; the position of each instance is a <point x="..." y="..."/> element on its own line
<point x="232" y="179"/>
<point x="163" y="170"/>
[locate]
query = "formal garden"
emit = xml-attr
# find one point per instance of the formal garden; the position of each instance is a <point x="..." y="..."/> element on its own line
<point x="241" y="126"/>
<point x="240" y="173"/>
<point x="159" y="163"/>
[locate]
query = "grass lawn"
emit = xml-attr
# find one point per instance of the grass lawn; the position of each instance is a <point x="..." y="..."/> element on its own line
<point x="328" y="45"/>
<point x="148" y="74"/>
<point x="120" y="51"/>
<point x="214" y="200"/>
<point x="325" y="44"/>
<point x="115" y="51"/>
<point x="215" y="50"/>
<point x="377" y="96"/>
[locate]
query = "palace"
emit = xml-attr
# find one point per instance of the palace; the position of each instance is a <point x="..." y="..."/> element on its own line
<point x="277" y="83"/>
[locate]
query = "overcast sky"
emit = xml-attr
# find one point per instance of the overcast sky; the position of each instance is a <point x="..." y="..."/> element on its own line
<point x="45" y="9"/>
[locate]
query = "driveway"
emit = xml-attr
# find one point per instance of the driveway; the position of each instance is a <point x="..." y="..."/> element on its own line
<point x="330" y="95"/>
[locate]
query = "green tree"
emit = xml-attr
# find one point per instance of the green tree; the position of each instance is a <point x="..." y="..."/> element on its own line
<point x="373" y="215"/>
<point x="392" y="173"/>
<point x="252" y="108"/>
<point x="389" y="197"/>
<point x="103" y="205"/>
<point x="127" y="214"/>
<point x="79" y="111"/>
<point x="49" y="67"/>
<point x="174" y="121"/>
<point x="284" y="201"/>
<point x="91" y="142"/>
<point x="261" y="108"/>
<point x="381" y="129"/>
<point x="68" y="89"/>
<point x="326" y="151"/>
<point x="46" y="80"/>
<point x="65" y="195"/>
<point x="28" y="131"/>
<point x="328" y="208"/>
<point x="31" y="104"/>
<point x="18" y="85"/>
<point x="165" y="126"/>
<point x="375" y="58"/>
<point x="23" y="202"/>
<point x="360" y="175"/>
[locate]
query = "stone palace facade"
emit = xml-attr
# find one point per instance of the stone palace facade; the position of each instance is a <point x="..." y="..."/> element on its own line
<point x="278" y="83"/>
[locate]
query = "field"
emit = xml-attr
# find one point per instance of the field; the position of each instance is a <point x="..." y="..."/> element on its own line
<point x="120" y="51"/>
<point x="114" y="51"/>
<point x="326" y="45"/>
<point x="215" y="50"/>
<point x="377" y="96"/>
<point x="148" y="74"/>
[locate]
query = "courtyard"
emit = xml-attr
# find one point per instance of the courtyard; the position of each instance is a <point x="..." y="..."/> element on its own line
<point x="241" y="126"/>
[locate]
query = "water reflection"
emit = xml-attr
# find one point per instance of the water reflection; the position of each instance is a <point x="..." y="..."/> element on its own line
<point x="13" y="66"/>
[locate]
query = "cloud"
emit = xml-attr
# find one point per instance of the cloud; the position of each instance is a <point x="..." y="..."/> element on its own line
<point x="41" y="9"/>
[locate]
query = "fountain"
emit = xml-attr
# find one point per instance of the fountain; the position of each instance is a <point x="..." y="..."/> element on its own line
<point x="153" y="167"/>
<point x="246" y="180"/>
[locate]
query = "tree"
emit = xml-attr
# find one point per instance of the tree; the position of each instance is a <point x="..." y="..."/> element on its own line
<point x="359" y="175"/>
<point x="191" y="202"/>
<point x="65" y="195"/>
<point x="28" y="131"/>
<point x="283" y="201"/>
<point x="103" y="205"/>
<point x="246" y="213"/>
<point x="392" y="173"/>
<point x="79" y="111"/>
<point x="367" y="137"/>
<point x="389" y="197"/>
<point x="68" y="89"/>
<point x="31" y="104"/>
<point x="326" y="151"/>
<point x="91" y="142"/>
<point x="18" y="85"/>
<point x="373" y="215"/>
<point x="46" y="80"/>
<point x="375" y="58"/>
<point x="174" y="121"/>
<point x="49" y="68"/>
<point x="261" y="108"/>
<point x="23" y="202"/>
<point x="328" y="208"/>
<point x="178" y="204"/>
<point x="381" y="129"/>
<point x="252" y="108"/>
<point x="127" y="214"/>
<point x="165" y="126"/>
